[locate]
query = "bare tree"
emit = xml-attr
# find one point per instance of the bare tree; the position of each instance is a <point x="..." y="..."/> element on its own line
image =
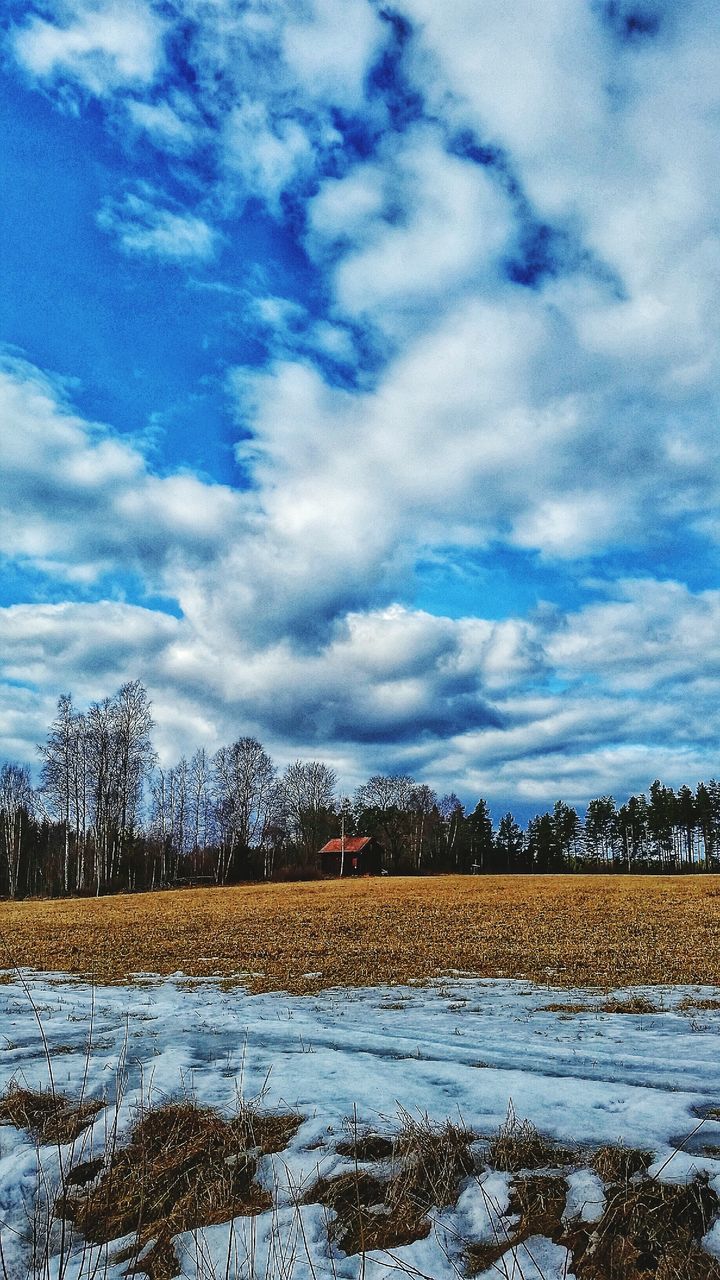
<point x="119" y="757"/>
<point x="16" y="807"/>
<point x="246" y="801"/>
<point x="385" y="803"/>
<point x="171" y="821"/>
<point x="422" y="802"/>
<point x="63" y="783"/>
<point x="452" y="815"/>
<point x="308" y="792"/>
<point x="200" y="800"/>
<point x="385" y="791"/>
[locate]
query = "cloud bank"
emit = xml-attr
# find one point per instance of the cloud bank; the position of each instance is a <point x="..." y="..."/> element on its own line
<point x="509" y="355"/>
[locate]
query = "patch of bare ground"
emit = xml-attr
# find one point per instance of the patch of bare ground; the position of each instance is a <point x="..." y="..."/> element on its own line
<point x="391" y="1207"/>
<point x="365" y="1147"/>
<point x="609" y="931"/>
<point x="537" y="1203"/>
<point x="627" y="1004"/>
<point x="184" y="1166"/>
<point x="647" y="1228"/>
<point x="48" y="1115"/>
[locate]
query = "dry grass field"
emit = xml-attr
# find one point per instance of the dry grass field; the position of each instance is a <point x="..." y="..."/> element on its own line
<point x="569" y="930"/>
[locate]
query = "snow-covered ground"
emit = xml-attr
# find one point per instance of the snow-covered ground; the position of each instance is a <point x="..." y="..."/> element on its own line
<point x="461" y="1048"/>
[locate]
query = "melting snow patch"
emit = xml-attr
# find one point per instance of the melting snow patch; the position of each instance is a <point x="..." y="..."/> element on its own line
<point x="586" y="1197"/>
<point x="582" y="1080"/>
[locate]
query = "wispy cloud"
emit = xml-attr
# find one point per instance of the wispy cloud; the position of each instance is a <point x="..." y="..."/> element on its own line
<point x="143" y="227"/>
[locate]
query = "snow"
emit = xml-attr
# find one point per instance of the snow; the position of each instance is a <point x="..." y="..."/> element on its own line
<point x="459" y="1048"/>
<point x="586" y="1196"/>
<point x="534" y="1259"/>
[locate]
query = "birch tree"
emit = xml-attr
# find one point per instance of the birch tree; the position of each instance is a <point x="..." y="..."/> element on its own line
<point x="246" y="801"/>
<point x="308" y="793"/>
<point x="16" y="807"/>
<point x="63" y="783"/>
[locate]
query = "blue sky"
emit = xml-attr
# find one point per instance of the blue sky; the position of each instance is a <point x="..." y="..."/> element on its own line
<point x="359" y="382"/>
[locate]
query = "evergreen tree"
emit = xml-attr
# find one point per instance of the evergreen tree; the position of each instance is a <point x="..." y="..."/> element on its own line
<point x="482" y="843"/>
<point x="509" y="845"/>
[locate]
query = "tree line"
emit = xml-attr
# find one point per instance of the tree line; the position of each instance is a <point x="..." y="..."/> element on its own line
<point x="104" y="817"/>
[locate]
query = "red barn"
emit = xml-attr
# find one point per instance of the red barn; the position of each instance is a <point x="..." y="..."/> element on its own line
<point x="363" y="857"/>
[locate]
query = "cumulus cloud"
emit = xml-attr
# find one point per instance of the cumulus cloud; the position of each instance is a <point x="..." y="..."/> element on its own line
<point x="264" y="154"/>
<point x="329" y="47"/>
<point x="650" y="635"/>
<point x="512" y="222"/>
<point x="78" y="501"/>
<point x="498" y="708"/>
<point x="585" y="702"/>
<point x="100" y="46"/>
<point x="471" y="435"/>
<point x="420" y="225"/>
<point x="257" y="86"/>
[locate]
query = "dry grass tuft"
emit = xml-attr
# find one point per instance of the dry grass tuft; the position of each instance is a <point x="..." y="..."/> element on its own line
<point x="648" y="1229"/>
<point x="158" y="1261"/>
<point x="610" y="931"/>
<point x="50" y="1116"/>
<point x="630" y="1004"/>
<point x="184" y="1166"/>
<point x="619" y="1165"/>
<point x="368" y="1212"/>
<point x="518" y="1146"/>
<point x="373" y="1211"/>
<point x="366" y="1146"/>
<point x="699" y="1002"/>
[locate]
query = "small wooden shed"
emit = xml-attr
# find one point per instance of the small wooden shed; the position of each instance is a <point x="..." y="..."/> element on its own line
<point x="362" y="856"/>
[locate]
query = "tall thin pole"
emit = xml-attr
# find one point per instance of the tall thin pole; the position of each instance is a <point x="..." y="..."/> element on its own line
<point x="342" y="846"/>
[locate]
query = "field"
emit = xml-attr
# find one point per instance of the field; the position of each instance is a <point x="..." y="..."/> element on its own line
<point x="447" y="1078"/>
<point x="573" y="930"/>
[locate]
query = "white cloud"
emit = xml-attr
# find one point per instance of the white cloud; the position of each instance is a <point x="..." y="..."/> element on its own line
<point x="331" y="47"/>
<point x="142" y="227"/>
<point x="602" y="699"/>
<point x="347" y="208"/>
<point x="617" y="144"/>
<point x="450" y="224"/>
<point x="650" y="634"/>
<point x="470" y="436"/>
<point x="102" y="46"/>
<point x="172" y="125"/>
<point x="78" y="501"/>
<point x="466" y="704"/>
<point x="266" y="154"/>
<point x="567" y="418"/>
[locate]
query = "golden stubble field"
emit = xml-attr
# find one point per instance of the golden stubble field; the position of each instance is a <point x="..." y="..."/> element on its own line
<point x="567" y="930"/>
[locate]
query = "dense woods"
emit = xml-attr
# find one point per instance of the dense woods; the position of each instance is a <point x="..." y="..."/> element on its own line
<point x="105" y="817"/>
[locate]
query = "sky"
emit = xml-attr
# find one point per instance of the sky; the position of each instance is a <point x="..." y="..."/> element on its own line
<point x="359" y="383"/>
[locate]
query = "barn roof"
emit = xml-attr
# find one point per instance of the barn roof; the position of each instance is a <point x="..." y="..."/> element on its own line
<point x="353" y="844"/>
